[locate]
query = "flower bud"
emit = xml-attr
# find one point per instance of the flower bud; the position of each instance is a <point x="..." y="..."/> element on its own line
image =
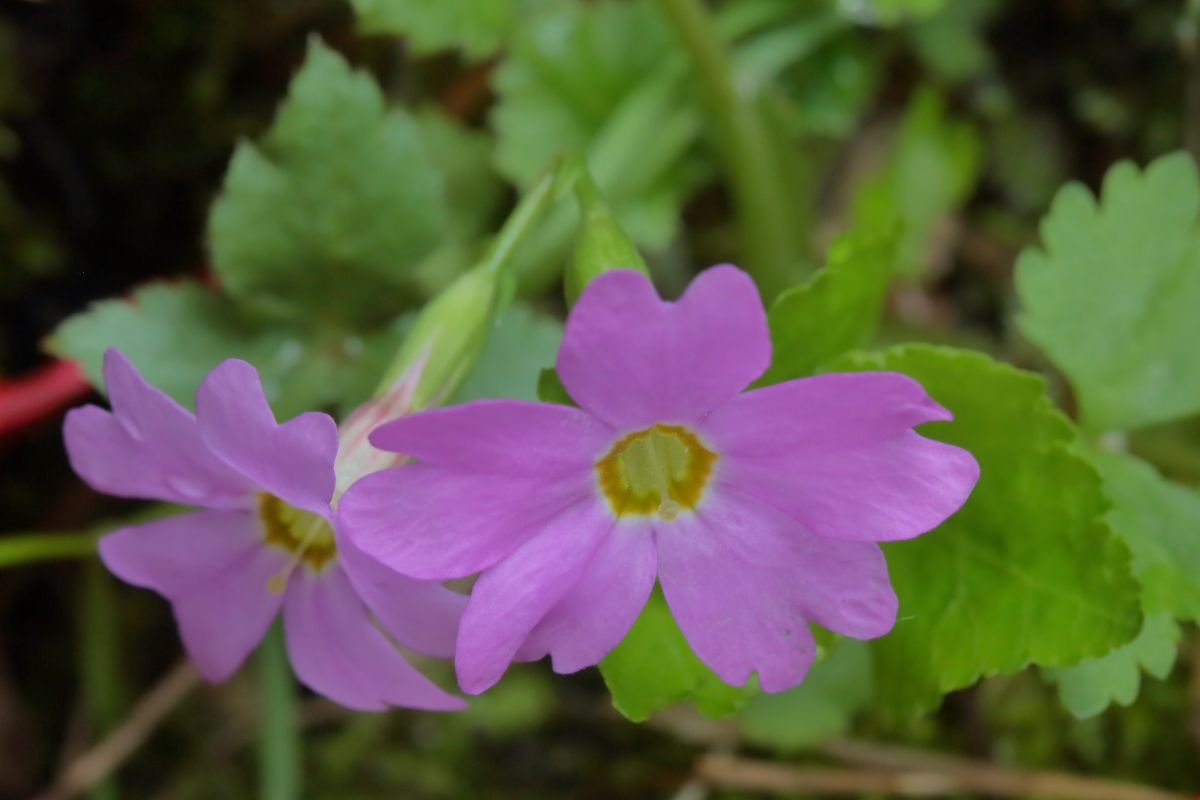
<point x="601" y="244"/>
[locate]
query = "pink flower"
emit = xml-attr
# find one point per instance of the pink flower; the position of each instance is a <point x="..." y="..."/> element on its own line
<point x="757" y="512"/>
<point x="263" y="542"/>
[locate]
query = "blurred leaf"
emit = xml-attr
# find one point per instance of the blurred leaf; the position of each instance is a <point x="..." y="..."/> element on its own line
<point x="1112" y="294"/>
<point x="1089" y="688"/>
<point x="836" y="310"/>
<point x="1160" y="521"/>
<point x="889" y="12"/>
<point x="520" y="344"/>
<point x="1028" y="570"/>
<point x="833" y="692"/>
<point x="830" y="91"/>
<point x="521" y="702"/>
<point x="477" y="27"/>
<point x="932" y="168"/>
<point x="175" y="333"/>
<point x="601" y="79"/>
<point x="327" y="216"/>
<point x="950" y="42"/>
<point x="654" y="667"/>
<point x="473" y="189"/>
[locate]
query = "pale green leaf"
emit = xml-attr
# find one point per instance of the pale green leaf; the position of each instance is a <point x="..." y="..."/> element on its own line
<point x="834" y="691"/>
<point x="1112" y="294"/>
<point x="654" y="667"/>
<point x="1089" y="688"/>
<point x="1027" y="571"/>
<point x="175" y="333"/>
<point x="834" y="311"/>
<point x="329" y="214"/>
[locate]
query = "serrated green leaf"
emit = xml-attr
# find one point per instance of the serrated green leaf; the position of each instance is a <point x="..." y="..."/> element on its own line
<point x="1089" y="688"/>
<point x="834" y="311"/>
<point x="175" y="333"/>
<point x="1112" y="294"/>
<point x="654" y="667"/>
<point x="1160" y="521"/>
<point x="834" y="691"/>
<point x="329" y="214"/>
<point x="477" y="27"/>
<point x="932" y="168"/>
<point x="1027" y="571"/>
<point x="519" y="345"/>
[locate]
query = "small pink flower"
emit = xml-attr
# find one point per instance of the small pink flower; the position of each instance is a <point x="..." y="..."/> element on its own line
<point x="264" y="540"/>
<point x="757" y="512"/>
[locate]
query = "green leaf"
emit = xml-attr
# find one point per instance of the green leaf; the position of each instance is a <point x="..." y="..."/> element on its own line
<point x="604" y="80"/>
<point x="834" y="691"/>
<point x="933" y="166"/>
<point x="1160" y="521"/>
<point x="1089" y="688"/>
<point x="550" y="388"/>
<point x="1027" y="571"/>
<point x="510" y="364"/>
<point x="836" y="310"/>
<point x="477" y="27"/>
<point x="328" y="215"/>
<point x="889" y="12"/>
<point x="1111" y="296"/>
<point x="175" y="333"/>
<point x="654" y="667"/>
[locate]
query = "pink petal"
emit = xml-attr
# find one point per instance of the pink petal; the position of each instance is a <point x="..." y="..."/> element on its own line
<point x="837" y="452"/>
<point x="512" y="597"/>
<point x="149" y="447"/>
<point x="336" y="651"/>
<point x="434" y="523"/>
<point x="594" y="616"/>
<point x="633" y="360"/>
<point x="213" y="567"/>
<point x="421" y="615"/>
<point x="503" y="437"/>
<point x="743" y="579"/>
<point x="293" y="461"/>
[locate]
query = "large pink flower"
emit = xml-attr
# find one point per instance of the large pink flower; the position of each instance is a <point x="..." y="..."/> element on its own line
<point x="264" y="541"/>
<point x="757" y="512"/>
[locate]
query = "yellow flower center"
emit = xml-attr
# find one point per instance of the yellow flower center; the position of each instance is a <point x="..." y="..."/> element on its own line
<point x="660" y="470"/>
<point x="308" y="537"/>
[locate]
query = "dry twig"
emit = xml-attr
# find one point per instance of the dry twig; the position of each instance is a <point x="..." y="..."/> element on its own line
<point x="98" y="762"/>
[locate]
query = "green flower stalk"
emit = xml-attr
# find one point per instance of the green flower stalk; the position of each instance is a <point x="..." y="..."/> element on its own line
<point x="444" y="342"/>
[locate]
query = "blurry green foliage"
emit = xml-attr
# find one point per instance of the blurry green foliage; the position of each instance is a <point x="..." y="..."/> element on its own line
<point x="1027" y="571"/>
<point x="1112" y="294"/>
<point x="933" y="166"/>
<point x="477" y="27"/>
<point x="175" y="333"/>
<point x="835" y="690"/>
<point x="328" y="215"/>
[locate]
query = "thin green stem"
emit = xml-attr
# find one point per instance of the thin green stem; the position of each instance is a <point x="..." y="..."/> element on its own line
<point x="27" y="548"/>
<point x="771" y="238"/>
<point x="521" y="221"/>
<point x="279" y="734"/>
<point x="100" y="661"/>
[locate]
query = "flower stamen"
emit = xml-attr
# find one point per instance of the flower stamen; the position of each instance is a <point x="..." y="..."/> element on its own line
<point x="661" y="470"/>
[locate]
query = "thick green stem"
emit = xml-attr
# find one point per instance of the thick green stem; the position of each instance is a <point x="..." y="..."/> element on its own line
<point x="26" y="548"/>
<point x="279" y="735"/>
<point x="771" y="238"/>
